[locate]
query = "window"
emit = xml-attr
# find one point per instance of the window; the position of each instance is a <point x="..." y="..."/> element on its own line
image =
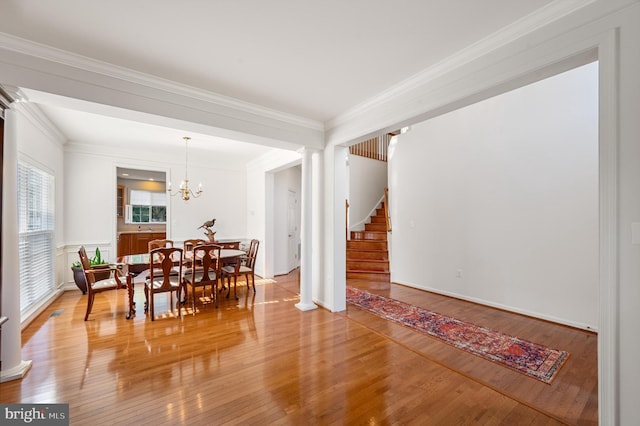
<point x="36" y="222"/>
<point x="147" y="207"/>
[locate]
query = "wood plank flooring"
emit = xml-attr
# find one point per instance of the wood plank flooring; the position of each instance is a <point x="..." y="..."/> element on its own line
<point x="259" y="360"/>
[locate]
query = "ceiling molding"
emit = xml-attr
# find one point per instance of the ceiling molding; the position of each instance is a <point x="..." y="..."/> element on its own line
<point x="48" y="53"/>
<point x="5" y="98"/>
<point x="34" y="114"/>
<point x="528" y="24"/>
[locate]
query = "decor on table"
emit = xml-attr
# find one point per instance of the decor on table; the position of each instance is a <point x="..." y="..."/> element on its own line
<point x="96" y="262"/>
<point x="184" y="190"/>
<point x="209" y="232"/>
<point x="531" y="359"/>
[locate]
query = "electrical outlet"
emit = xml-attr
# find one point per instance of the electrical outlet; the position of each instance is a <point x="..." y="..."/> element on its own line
<point x="459" y="273"/>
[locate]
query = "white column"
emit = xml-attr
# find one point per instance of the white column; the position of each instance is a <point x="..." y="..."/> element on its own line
<point x="306" y="276"/>
<point x="13" y="367"/>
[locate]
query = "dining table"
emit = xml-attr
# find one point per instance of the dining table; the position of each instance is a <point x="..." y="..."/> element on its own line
<point x="134" y="264"/>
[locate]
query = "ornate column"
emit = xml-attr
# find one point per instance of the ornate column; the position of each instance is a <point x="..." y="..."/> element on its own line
<point x="306" y="228"/>
<point x="13" y="367"/>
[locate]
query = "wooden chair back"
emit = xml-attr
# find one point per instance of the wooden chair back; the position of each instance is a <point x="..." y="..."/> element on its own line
<point x="189" y="245"/>
<point x="86" y="266"/>
<point x="252" y="254"/>
<point x="154" y="244"/>
<point x="208" y="256"/>
<point x="164" y="261"/>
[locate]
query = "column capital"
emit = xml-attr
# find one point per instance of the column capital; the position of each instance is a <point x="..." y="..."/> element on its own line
<point x="307" y="150"/>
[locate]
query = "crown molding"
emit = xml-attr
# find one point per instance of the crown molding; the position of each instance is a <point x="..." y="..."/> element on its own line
<point x="5" y="98"/>
<point x="49" y="53"/>
<point x="34" y="114"/>
<point x="528" y="24"/>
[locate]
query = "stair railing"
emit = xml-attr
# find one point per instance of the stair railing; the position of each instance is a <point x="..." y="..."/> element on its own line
<point x="375" y="148"/>
<point x="386" y="209"/>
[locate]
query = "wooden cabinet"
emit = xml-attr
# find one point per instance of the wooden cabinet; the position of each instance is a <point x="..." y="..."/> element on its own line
<point x="137" y="242"/>
<point x="120" y="201"/>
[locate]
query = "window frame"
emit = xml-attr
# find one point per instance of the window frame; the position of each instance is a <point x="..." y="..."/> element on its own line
<point x="36" y="234"/>
<point x="154" y="208"/>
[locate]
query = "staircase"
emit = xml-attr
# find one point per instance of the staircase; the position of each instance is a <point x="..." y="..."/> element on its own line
<point x="367" y="251"/>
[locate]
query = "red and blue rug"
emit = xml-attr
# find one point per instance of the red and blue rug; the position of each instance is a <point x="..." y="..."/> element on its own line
<point x="531" y="359"/>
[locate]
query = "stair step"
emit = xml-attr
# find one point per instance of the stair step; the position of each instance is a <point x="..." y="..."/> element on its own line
<point x="367" y="245"/>
<point x="367" y="250"/>
<point x="356" y="254"/>
<point x="375" y="227"/>
<point x="358" y="275"/>
<point x="368" y="265"/>
<point x="368" y="235"/>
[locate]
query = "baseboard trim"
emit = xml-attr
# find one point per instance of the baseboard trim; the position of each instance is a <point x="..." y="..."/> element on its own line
<point x="17" y="372"/>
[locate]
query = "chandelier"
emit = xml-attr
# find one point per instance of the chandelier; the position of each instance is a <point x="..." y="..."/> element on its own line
<point x="184" y="189"/>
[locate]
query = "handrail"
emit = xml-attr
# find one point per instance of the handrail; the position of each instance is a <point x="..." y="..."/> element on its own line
<point x="386" y="209"/>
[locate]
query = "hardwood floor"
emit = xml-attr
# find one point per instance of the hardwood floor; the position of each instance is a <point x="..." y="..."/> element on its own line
<point x="259" y="360"/>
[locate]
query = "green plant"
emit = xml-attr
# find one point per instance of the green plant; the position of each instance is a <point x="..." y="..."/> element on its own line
<point x="95" y="260"/>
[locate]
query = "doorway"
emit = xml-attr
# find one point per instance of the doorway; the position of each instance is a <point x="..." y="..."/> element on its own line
<point x="293" y="230"/>
<point x="141" y="208"/>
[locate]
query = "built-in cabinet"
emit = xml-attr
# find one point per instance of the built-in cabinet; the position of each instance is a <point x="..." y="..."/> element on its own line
<point x="120" y="201"/>
<point x="136" y="242"/>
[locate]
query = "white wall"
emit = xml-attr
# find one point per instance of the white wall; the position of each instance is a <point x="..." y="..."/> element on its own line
<point x="504" y="193"/>
<point x="41" y="145"/>
<point x="367" y="180"/>
<point x="90" y="185"/>
<point x="224" y="198"/>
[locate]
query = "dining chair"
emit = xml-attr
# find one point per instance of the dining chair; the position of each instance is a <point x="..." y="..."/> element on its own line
<point x="153" y="244"/>
<point x="206" y="274"/>
<point x="97" y="286"/>
<point x="162" y="261"/>
<point x="245" y="268"/>
<point x="188" y="247"/>
<point x="159" y="243"/>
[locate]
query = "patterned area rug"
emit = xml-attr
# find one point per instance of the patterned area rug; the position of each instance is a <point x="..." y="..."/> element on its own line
<point x="529" y="358"/>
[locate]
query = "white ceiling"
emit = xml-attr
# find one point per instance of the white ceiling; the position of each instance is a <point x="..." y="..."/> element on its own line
<point x="313" y="59"/>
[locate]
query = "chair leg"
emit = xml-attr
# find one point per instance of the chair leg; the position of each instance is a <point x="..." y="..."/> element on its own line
<point x="193" y="295"/>
<point x="235" y="287"/>
<point x="179" y="303"/>
<point x="89" y="304"/>
<point x="151" y="310"/>
<point x="253" y="282"/>
<point x="146" y="298"/>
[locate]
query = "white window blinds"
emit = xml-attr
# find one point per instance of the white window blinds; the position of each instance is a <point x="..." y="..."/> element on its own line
<point x="36" y="222"/>
<point x="147" y="198"/>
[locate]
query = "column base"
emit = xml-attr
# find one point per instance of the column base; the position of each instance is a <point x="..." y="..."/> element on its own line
<point x="306" y="306"/>
<point x="16" y="372"/>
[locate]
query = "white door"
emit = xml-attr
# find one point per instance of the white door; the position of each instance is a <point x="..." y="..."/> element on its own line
<point x="292" y="229"/>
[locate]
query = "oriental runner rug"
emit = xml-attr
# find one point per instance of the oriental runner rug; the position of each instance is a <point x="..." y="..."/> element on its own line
<point x="531" y="359"/>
